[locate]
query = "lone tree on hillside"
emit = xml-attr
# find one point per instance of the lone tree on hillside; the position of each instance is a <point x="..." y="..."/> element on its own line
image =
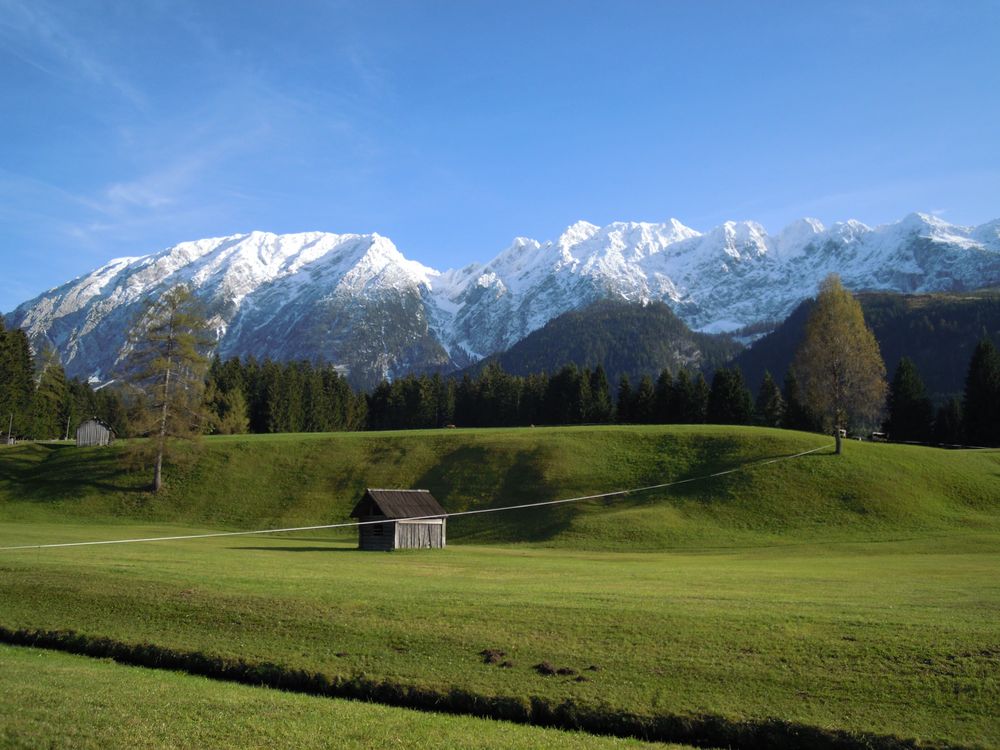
<point x="166" y="364"/>
<point x="838" y="364"/>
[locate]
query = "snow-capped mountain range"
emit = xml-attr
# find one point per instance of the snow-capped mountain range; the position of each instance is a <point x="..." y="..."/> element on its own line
<point x="356" y="301"/>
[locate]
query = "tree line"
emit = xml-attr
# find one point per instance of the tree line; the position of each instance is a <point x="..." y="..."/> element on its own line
<point x="250" y="396"/>
<point x="38" y="401"/>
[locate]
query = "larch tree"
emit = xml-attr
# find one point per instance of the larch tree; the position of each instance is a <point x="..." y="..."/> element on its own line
<point x="838" y="364"/>
<point x="166" y="363"/>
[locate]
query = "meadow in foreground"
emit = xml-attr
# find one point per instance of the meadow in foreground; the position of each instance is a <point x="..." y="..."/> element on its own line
<point x="61" y="701"/>
<point x="808" y="590"/>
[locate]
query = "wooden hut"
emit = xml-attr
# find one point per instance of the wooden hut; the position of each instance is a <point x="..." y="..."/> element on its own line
<point x="94" y="432"/>
<point x="391" y="509"/>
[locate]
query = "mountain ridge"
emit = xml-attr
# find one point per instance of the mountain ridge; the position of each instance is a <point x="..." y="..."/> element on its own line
<point x="356" y="301"/>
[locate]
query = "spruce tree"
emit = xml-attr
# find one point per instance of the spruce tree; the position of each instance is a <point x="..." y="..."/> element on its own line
<point x="623" y="408"/>
<point x="948" y="423"/>
<point x="981" y="402"/>
<point x="682" y="398"/>
<point x="601" y="408"/>
<point x="663" y="399"/>
<point x="909" y="410"/>
<point x="729" y="400"/>
<point x="699" y="399"/>
<point x="770" y="406"/>
<point x="644" y="402"/>
<point x="17" y="382"/>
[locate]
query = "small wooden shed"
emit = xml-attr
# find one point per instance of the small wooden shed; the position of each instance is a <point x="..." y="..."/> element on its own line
<point x="390" y="509"/>
<point x="94" y="432"/>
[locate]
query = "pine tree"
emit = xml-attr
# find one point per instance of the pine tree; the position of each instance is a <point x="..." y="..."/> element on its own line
<point x="682" y="399"/>
<point x="663" y="398"/>
<point x="699" y="399"/>
<point x="623" y="407"/>
<point x="770" y="406"/>
<point x="909" y="410"/>
<point x="17" y="382"/>
<point x="729" y="400"/>
<point x="644" y="401"/>
<point x="838" y="363"/>
<point x="601" y="408"/>
<point x="166" y="365"/>
<point x="948" y="423"/>
<point x="981" y="402"/>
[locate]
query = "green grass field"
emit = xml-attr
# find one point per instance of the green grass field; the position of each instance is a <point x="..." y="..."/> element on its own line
<point x="858" y="592"/>
<point x="51" y="700"/>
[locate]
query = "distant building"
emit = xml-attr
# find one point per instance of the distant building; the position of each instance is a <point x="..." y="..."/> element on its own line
<point x="389" y="509"/>
<point x="94" y="432"/>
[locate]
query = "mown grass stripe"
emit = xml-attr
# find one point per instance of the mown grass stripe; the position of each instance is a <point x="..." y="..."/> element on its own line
<point x="698" y="730"/>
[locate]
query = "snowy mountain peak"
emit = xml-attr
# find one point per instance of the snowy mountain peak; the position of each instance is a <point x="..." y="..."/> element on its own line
<point x="578" y="232"/>
<point x="357" y="301"/>
<point x="793" y="240"/>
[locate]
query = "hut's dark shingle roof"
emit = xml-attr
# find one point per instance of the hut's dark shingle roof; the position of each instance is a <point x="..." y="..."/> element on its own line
<point x="398" y="504"/>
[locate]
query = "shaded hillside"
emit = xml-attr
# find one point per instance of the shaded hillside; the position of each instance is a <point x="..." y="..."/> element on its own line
<point x="937" y="331"/>
<point x="624" y="337"/>
<point x="296" y="480"/>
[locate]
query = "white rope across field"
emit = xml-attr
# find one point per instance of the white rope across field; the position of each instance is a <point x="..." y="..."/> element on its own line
<point x="523" y="506"/>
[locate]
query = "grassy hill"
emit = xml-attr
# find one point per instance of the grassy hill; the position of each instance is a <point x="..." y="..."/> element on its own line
<point x="856" y="593"/>
<point x="287" y="480"/>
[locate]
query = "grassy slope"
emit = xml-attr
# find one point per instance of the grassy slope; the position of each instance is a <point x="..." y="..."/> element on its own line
<point x="263" y="481"/>
<point x="51" y="700"/>
<point x="858" y="592"/>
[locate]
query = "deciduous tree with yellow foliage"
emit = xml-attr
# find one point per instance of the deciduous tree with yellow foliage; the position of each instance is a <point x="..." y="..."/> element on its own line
<point x="838" y="364"/>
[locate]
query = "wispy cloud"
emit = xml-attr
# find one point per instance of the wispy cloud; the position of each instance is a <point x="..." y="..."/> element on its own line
<point x="35" y="33"/>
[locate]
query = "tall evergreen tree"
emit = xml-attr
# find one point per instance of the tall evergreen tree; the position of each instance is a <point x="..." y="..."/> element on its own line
<point x="838" y="363"/>
<point x="623" y="406"/>
<point x="664" y="398"/>
<point x="948" y="423"/>
<point x="682" y="399"/>
<point x="17" y="382"/>
<point x="909" y="410"/>
<point x="729" y="400"/>
<point x="601" y="408"/>
<point x="700" y="392"/>
<point x="769" y="409"/>
<point x="981" y="402"/>
<point x="644" y="401"/>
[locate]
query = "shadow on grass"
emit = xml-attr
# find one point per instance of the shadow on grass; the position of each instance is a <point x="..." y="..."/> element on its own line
<point x="46" y="472"/>
<point x="298" y="549"/>
<point x="473" y="477"/>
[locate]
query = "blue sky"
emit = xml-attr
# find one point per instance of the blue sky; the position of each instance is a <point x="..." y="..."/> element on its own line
<point x="452" y="127"/>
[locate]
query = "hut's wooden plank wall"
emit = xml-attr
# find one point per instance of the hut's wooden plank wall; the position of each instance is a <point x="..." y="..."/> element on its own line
<point x="93" y="432"/>
<point x="427" y="534"/>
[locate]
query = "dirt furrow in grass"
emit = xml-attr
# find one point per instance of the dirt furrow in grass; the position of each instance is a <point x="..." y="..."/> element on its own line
<point x="700" y="730"/>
